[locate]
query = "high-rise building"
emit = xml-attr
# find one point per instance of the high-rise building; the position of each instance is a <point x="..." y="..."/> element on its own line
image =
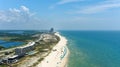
<point x="51" y="30"/>
<point x="23" y="50"/>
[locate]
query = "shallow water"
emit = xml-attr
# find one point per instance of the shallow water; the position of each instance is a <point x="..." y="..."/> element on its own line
<point x="93" y="48"/>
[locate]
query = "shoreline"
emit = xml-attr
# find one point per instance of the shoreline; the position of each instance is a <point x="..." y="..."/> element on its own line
<point x="58" y="56"/>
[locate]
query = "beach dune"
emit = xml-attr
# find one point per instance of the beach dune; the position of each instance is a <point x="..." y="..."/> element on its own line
<point x="58" y="56"/>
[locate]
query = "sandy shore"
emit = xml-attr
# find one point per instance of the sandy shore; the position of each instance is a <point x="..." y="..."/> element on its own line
<point x="58" y="56"/>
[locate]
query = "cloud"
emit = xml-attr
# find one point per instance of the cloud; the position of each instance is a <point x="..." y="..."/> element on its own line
<point x="112" y="1"/>
<point x="16" y="15"/>
<point x="61" y="2"/>
<point x="66" y="1"/>
<point x="22" y="18"/>
<point x="99" y="7"/>
<point x="24" y="8"/>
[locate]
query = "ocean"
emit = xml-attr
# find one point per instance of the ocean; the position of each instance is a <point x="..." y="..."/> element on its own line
<point x="93" y="48"/>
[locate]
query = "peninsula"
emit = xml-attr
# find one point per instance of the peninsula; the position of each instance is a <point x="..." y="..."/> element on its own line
<point x="58" y="56"/>
<point x="47" y="49"/>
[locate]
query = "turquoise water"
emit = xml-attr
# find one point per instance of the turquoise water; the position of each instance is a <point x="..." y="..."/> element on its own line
<point x="93" y="48"/>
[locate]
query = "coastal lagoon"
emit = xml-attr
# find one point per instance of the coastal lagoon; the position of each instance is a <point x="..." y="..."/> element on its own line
<point x="8" y="44"/>
<point x="14" y="33"/>
<point x="93" y="48"/>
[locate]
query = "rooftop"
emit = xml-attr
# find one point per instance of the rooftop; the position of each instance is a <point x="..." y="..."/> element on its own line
<point x="29" y="44"/>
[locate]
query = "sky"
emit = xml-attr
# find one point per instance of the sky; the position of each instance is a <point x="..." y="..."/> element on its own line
<point x="60" y="14"/>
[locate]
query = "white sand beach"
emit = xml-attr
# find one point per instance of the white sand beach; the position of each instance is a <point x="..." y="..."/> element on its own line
<point x="58" y="56"/>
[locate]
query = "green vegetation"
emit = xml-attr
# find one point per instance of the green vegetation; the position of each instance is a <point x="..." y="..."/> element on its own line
<point x="1" y="47"/>
<point x="27" y="35"/>
<point x="42" y="48"/>
<point x="3" y="65"/>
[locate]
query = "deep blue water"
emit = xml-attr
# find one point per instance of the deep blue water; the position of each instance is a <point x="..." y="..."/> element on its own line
<point x="93" y="48"/>
<point x="7" y="44"/>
